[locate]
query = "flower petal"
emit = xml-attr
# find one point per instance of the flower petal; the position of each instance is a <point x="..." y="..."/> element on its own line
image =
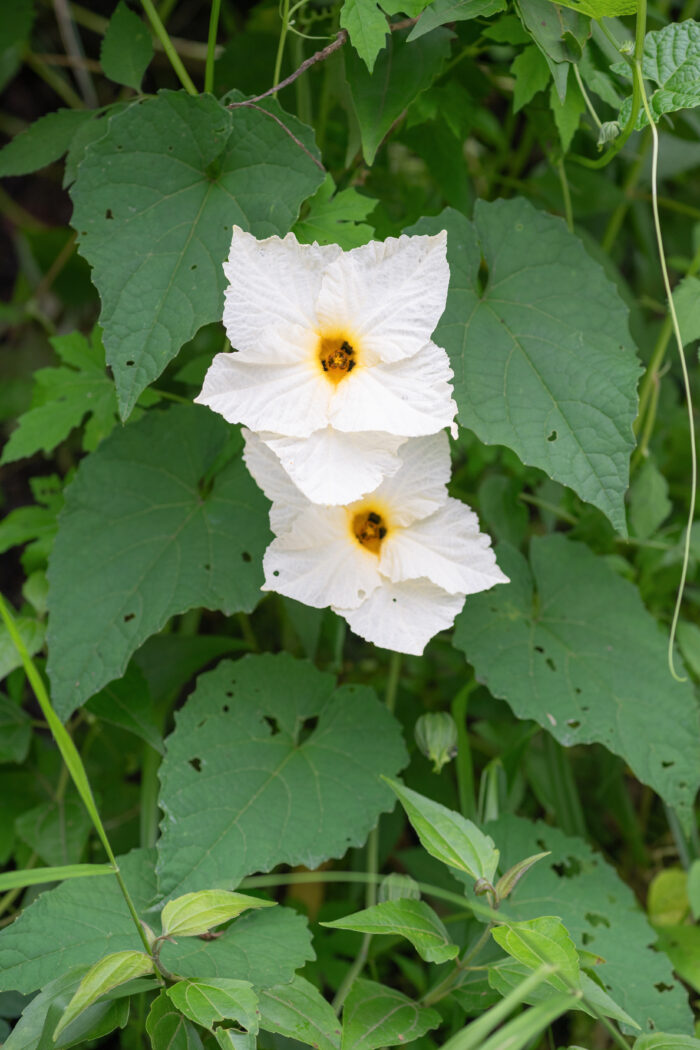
<point x="319" y="562"/>
<point x="419" y="487"/>
<point x="411" y="397"/>
<point x="266" y="392"/>
<point x="446" y="548"/>
<point x="391" y="294"/>
<point x="274" y="282"/>
<point x="287" y="501"/>
<point x="331" y="467"/>
<point x="404" y="616"/>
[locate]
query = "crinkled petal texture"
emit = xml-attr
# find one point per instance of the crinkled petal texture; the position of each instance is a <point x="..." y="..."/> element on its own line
<point x="272" y="283"/>
<point x="409" y="397"/>
<point x="446" y="548"/>
<point x="267" y="393"/>
<point x="391" y="294"/>
<point x="287" y="502"/>
<point x="334" y="468"/>
<point x="404" y="616"/>
<point x="412" y="580"/>
<point x="420" y="487"/>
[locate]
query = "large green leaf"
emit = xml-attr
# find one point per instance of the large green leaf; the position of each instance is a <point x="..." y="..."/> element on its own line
<point x="154" y="202"/>
<point x="542" y="355"/>
<point x="402" y="72"/>
<point x="155" y="538"/>
<point x="570" y="644"/>
<point x="602" y="916"/>
<point x="375" y="1015"/>
<point x="299" y="1011"/>
<point x="269" y="764"/>
<point x="671" y="60"/>
<point x="83" y="920"/>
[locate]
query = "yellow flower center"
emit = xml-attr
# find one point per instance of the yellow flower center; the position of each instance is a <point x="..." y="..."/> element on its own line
<point x="337" y="356"/>
<point x="369" y="529"/>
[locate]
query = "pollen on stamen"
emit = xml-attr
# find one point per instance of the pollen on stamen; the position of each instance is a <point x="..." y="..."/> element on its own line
<point x="369" y="529"/>
<point x="337" y="356"/>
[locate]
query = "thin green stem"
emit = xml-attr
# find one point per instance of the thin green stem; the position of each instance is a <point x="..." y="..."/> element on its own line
<point x="684" y="368"/>
<point x="586" y="97"/>
<point x="566" y="194"/>
<point x="357" y="966"/>
<point x="463" y="761"/>
<point x="428" y="889"/>
<point x="70" y="756"/>
<point x="211" y="45"/>
<point x="9" y="898"/>
<point x="553" y="508"/>
<point x="162" y="34"/>
<point x="280" y="46"/>
<point x="640" y="452"/>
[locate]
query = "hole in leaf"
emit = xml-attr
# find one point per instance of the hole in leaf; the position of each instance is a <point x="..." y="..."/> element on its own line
<point x="539" y="649"/>
<point x="542" y="844"/>
<point x="573" y="723"/>
<point x="129" y="616"/>
<point x="306" y="729"/>
<point x="246" y="557"/>
<point x="550" y="663"/>
<point x="109" y="214"/>
<point x="229" y="694"/>
<point x="662" y="987"/>
<point x="577" y="691"/>
<point x="553" y="436"/>
<point x="225" y="709"/>
<point x="130" y="364"/>
<point x="594" y="919"/>
<point x="667" y="764"/>
<point x="566" y="869"/>
<point x="482" y="278"/>
<point x="586" y="938"/>
<point x="196" y="763"/>
<point x="193" y="266"/>
<point x="273" y="724"/>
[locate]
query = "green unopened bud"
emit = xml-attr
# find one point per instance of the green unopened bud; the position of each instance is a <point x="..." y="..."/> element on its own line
<point x="436" y="736"/>
<point x="608" y="132"/>
<point x="397" y="887"/>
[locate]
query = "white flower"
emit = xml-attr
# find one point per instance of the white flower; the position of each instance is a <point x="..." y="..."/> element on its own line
<point x="396" y="564"/>
<point x="334" y="366"/>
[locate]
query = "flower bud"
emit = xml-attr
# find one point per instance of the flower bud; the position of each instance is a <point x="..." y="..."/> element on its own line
<point x="436" y="736"/>
<point x="608" y="132"/>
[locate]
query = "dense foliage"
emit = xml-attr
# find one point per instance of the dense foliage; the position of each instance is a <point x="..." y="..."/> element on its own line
<point x="225" y="819"/>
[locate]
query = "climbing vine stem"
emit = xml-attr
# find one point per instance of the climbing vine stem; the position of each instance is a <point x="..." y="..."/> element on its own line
<point x="639" y="82"/>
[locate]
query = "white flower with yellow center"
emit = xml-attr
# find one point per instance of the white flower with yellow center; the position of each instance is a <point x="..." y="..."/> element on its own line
<point x="396" y="564"/>
<point x="333" y="364"/>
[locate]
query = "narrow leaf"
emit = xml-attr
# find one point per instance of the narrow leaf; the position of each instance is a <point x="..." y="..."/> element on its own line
<point x="447" y="835"/>
<point x="11" y="880"/>
<point x="195" y="913"/>
<point x="109" y="972"/>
